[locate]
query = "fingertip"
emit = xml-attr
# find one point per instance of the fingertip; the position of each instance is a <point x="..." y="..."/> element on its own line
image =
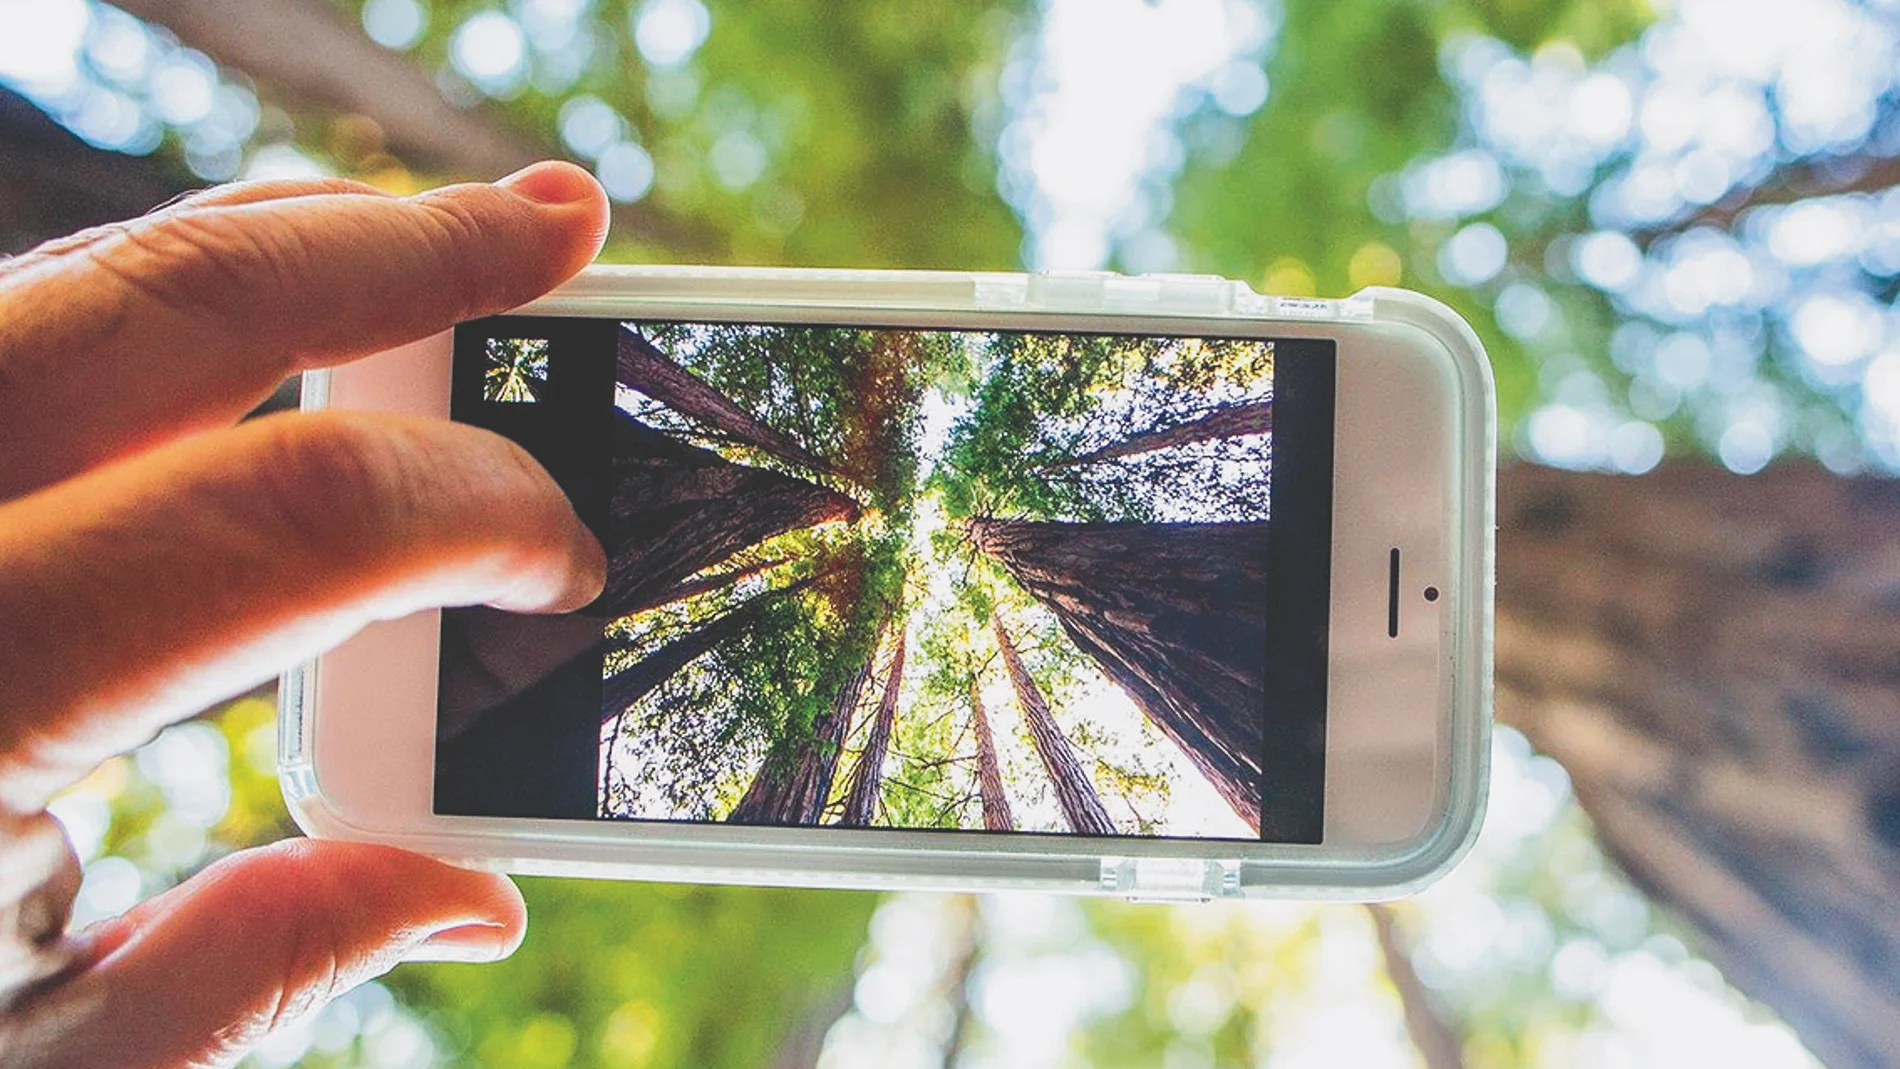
<point x="590" y="570"/>
<point x="555" y="183"/>
<point x="565" y="188"/>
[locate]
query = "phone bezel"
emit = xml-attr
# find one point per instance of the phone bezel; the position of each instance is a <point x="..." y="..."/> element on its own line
<point x="1413" y="414"/>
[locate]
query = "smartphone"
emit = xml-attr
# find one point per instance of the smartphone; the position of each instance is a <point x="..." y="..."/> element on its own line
<point x="1150" y="586"/>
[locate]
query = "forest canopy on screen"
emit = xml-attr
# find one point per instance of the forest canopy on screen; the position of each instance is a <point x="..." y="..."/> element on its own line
<point x="1002" y="581"/>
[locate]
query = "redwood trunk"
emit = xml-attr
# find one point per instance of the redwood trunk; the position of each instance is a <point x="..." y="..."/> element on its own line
<point x="1075" y="792"/>
<point x="636" y="681"/>
<point x="1226" y="421"/>
<point x="645" y="368"/>
<point x="1715" y="660"/>
<point x="678" y="510"/>
<point x="54" y="184"/>
<point x="1175" y="613"/>
<point x="792" y="787"/>
<point x="706" y="584"/>
<point x="989" y="774"/>
<point x="860" y="803"/>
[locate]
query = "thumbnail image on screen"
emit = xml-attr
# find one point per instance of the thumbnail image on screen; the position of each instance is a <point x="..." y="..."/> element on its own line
<point x="879" y="578"/>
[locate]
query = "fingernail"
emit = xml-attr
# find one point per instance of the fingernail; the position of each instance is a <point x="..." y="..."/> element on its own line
<point x="468" y="944"/>
<point x="551" y="183"/>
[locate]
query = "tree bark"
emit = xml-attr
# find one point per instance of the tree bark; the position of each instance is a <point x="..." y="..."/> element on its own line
<point x="622" y="689"/>
<point x="1225" y="421"/>
<point x="705" y="584"/>
<point x="677" y="510"/>
<point x="867" y="780"/>
<point x="989" y="774"/>
<point x="792" y="786"/>
<point x="1715" y="660"/>
<point x="54" y="184"/>
<point x="645" y="368"/>
<point x="1175" y="613"/>
<point x="1075" y="791"/>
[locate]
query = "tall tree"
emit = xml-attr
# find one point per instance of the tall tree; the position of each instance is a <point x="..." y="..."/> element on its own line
<point x="643" y="367"/>
<point x="55" y="184"/>
<point x="867" y="780"/>
<point x="1712" y="659"/>
<point x="706" y="584"/>
<point x="1075" y="792"/>
<point x="1173" y="612"/>
<point x="627" y="686"/>
<point x="678" y="509"/>
<point x="989" y="773"/>
<point x="1222" y="421"/>
<point x="794" y="781"/>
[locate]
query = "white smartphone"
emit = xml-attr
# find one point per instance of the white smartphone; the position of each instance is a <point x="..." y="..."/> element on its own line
<point x="1148" y="586"/>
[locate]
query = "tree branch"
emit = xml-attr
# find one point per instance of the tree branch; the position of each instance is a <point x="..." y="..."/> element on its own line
<point x="643" y="367"/>
<point x="1786" y="185"/>
<point x="310" y="54"/>
<point x="307" y="53"/>
<point x="1426" y="1021"/>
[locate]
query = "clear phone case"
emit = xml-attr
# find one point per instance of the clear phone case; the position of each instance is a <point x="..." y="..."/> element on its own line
<point x="309" y="746"/>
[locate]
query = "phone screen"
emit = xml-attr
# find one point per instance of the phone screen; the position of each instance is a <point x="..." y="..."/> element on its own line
<point x="1002" y="581"/>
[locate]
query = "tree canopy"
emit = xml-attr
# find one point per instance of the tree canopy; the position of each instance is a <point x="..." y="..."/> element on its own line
<point x="1671" y="224"/>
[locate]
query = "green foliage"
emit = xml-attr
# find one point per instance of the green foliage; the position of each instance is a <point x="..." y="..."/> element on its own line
<point x="1046" y="402"/>
<point x="691" y="745"/>
<point x="848" y="396"/>
<point x="1592" y="26"/>
<point x="1357" y="96"/>
<point x="830" y="134"/>
<point x="616" y="975"/>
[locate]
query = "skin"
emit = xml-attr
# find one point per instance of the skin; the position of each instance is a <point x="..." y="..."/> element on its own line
<point x="156" y="557"/>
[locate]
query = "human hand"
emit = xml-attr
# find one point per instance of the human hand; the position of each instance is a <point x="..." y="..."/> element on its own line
<point x="156" y="557"/>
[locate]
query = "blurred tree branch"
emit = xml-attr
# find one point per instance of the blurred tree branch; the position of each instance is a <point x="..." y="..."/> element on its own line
<point x="1814" y="177"/>
<point x="1426" y="1019"/>
<point x="306" y="52"/>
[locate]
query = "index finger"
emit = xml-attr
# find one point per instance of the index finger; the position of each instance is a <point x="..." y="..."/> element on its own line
<point x="183" y="321"/>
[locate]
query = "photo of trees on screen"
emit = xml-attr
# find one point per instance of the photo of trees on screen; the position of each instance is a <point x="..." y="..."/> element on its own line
<point x="516" y="370"/>
<point x="931" y="579"/>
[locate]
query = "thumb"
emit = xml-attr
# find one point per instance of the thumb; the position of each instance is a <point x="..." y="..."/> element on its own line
<point x="197" y="976"/>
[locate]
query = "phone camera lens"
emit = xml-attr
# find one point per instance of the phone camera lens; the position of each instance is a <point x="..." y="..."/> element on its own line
<point x="1431" y="593"/>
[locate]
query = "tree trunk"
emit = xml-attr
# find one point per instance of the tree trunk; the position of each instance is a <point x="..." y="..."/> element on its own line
<point x="645" y="368"/>
<point x="678" y="509"/>
<point x="1715" y="660"/>
<point x="1075" y="792"/>
<point x="989" y="775"/>
<point x="54" y="184"/>
<point x="1176" y="614"/>
<point x="867" y="780"/>
<point x="792" y="786"/>
<point x="706" y="584"/>
<point x="627" y="686"/>
<point x="1225" y="421"/>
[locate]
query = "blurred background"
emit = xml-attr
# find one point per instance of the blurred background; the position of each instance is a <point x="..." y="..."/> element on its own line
<point x="1672" y="221"/>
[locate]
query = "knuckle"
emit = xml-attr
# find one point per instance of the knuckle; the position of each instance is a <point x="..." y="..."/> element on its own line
<point x="335" y="483"/>
<point x="316" y="957"/>
<point x="455" y="233"/>
<point x="203" y="264"/>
